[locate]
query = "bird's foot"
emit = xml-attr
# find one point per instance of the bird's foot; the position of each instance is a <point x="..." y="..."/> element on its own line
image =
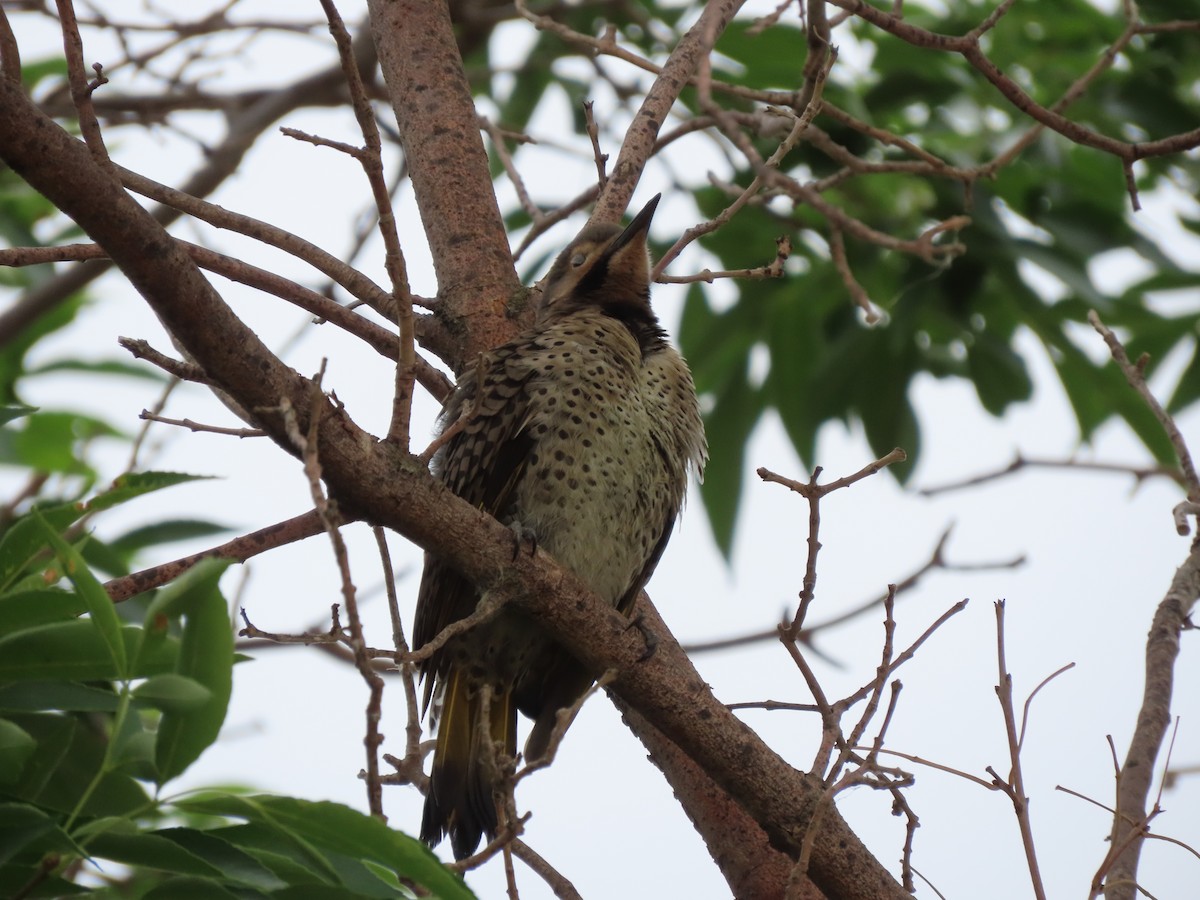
<point x="523" y="537"/>
<point x="651" y="639"/>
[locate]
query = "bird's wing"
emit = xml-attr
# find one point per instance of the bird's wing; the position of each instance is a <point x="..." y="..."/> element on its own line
<point x="481" y="463"/>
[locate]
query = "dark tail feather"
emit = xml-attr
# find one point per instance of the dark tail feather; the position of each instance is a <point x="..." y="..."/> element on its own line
<point x="461" y="782"/>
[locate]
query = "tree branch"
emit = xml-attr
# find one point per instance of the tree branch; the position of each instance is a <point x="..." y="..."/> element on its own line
<point x="640" y="139"/>
<point x="244" y="129"/>
<point x="439" y="130"/>
<point x="1162" y="650"/>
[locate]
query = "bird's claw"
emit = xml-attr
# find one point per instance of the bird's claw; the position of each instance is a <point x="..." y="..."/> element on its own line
<point x="650" y="638"/>
<point x="523" y="536"/>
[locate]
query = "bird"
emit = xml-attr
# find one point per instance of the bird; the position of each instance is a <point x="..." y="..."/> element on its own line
<point x="580" y="435"/>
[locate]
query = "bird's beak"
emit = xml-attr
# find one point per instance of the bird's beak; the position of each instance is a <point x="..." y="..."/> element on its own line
<point x="638" y="228"/>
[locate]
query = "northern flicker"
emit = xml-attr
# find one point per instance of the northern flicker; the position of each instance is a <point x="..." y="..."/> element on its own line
<point x="579" y="434"/>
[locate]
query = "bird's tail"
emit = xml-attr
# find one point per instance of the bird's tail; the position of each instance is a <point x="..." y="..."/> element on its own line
<point x="465" y="773"/>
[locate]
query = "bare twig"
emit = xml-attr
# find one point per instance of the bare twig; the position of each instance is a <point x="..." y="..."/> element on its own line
<point x="335" y="635"/>
<point x="1137" y="380"/>
<point x="594" y="135"/>
<point x="936" y="561"/>
<point x="1014" y="785"/>
<point x="149" y="416"/>
<point x="773" y="269"/>
<point x="764" y="168"/>
<point x="81" y="90"/>
<point x="410" y="767"/>
<point x="1139" y="473"/>
<point x="331" y="519"/>
<point x="685" y="59"/>
<point x="358" y="284"/>
<point x="371" y="159"/>
<point x="184" y="371"/>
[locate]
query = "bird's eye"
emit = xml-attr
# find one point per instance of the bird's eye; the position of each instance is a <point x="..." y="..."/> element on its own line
<point x="577" y="260"/>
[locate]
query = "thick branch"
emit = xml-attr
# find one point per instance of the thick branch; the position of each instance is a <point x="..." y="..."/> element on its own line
<point x="1137" y="771"/>
<point x="734" y="840"/>
<point x="439" y="129"/>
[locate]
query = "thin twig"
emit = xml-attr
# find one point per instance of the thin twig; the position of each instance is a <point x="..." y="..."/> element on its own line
<point x="81" y="89"/>
<point x="1137" y="380"/>
<point x="410" y="767"/>
<point x="371" y="159"/>
<point x="149" y="416"/>
<point x="184" y="371"/>
<point x="1139" y="473"/>
<point x="594" y="134"/>
<point x="306" y="444"/>
<point x="1015" y="783"/>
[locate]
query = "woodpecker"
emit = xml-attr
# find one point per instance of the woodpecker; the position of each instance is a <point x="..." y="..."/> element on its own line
<point x="579" y="434"/>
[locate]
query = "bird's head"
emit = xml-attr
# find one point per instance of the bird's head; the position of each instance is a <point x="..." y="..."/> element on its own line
<point x="606" y="266"/>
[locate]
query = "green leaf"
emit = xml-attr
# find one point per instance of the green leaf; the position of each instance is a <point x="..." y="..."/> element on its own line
<point x="205" y="656"/>
<point x="12" y="354"/>
<point x="998" y="373"/>
<point x="8" y="413"/>
<point x="66" y="765"/>
<point x="293" y="860"/>
<point x="717" y="344"/>
<point x="27" y="830"/>
<point x="25" y="539"/>
<point x="49" y="441"/>
<point x="15" y="748"/>
<point x="131" y="748"/>
<point x="771" y="59"/>
<point x="1187" y="390"/>
<point x="322" y="892"/>
<point x="57" y="695"/>
<point x="234" y="863"/>
<point x="799" y="352"/>
<point x="173" y="693"/>
<point x="100" y="607"/>
<point x="100" y="557"/>
<point x="728" y="426"/>
<point x="25" y="609"/>
<point x="333" y="827"/>
<point x="191" y="888"/>
<point x="149" y="851"/>
<point x="187" y="851"/>
<point x="188" y="592"/>
<point x="135" y="484"/>
<point x="1096" y="392"/>
<point x="1072" y="273"/>
<point x="164" y="532"/>
<point x="101" y="367"/>
<point x="76" y="651"/>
